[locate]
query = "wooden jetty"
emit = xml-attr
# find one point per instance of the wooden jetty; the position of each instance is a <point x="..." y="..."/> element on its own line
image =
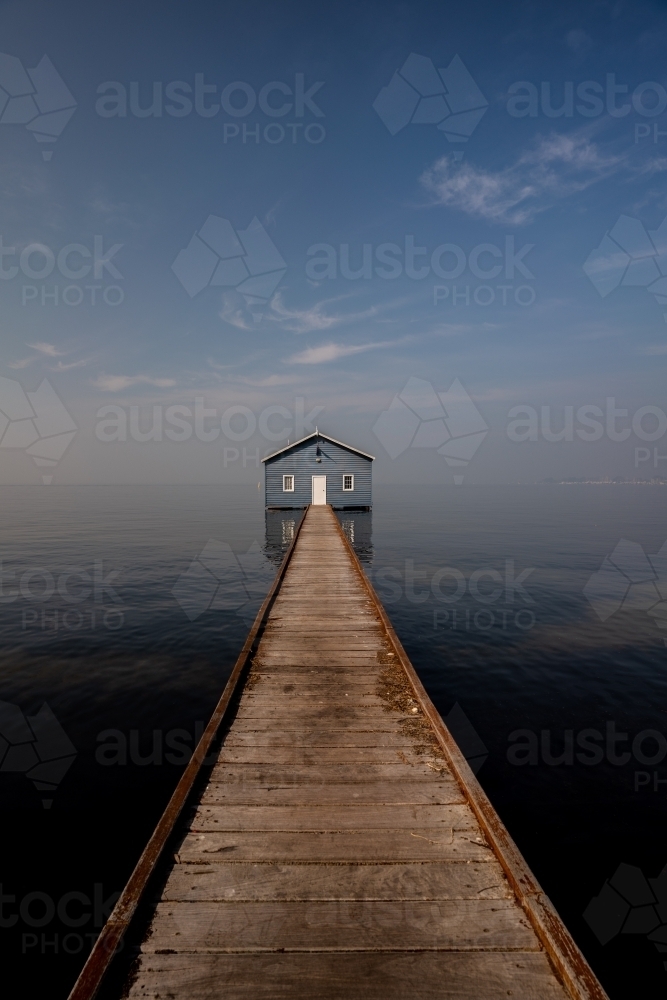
<point x="341" y="846"/>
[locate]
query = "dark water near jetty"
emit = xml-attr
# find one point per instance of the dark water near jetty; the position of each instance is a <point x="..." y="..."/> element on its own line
<point x="90" y="625"/>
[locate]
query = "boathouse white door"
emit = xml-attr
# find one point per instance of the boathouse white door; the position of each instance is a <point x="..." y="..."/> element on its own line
<point x="319" y="489"/>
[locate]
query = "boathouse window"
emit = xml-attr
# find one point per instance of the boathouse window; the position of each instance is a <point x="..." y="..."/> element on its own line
<point x="348" y="483"/>
<point x="288" y="484"/>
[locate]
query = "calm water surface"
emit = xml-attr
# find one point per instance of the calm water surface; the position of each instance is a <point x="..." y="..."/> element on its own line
<point x="108" y="617"/>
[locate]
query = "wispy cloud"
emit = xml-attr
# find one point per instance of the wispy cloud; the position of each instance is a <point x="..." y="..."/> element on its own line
<point x="318" y="317"/>
<point x="557" y="167"/>
<point x="61" y="367"/>
<point x="235" y="314"/>
<point x="323" y="315"/>
<point x="268" y="382"/>
<point x="331" y="352"/>
<point x="49" y="349"/>
<point x="115" y="383"/>
<point x="42" y="348"/>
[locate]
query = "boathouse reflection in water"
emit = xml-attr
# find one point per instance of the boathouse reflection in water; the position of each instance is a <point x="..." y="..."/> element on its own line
<point x="281" y="525"/>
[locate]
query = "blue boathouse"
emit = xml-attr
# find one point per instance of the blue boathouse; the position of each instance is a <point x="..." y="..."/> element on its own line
<point x="318" y="470"/>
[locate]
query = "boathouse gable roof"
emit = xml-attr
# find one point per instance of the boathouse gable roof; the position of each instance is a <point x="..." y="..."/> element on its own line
<point x="324" y="437"/>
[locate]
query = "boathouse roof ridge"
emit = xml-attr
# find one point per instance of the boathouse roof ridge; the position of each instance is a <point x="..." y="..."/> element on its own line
<point x="325" y="437"/>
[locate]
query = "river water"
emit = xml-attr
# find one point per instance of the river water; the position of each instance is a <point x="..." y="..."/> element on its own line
<point x="552" y="676"/>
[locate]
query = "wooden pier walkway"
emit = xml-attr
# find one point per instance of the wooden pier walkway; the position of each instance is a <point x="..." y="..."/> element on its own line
<point x="342" y="849"/>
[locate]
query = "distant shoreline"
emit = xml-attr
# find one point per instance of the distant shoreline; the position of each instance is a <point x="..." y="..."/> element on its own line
<point x="605" y="482"/>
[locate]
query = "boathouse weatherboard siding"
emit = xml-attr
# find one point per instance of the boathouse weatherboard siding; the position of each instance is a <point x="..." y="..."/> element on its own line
<point x="299" y="460"/>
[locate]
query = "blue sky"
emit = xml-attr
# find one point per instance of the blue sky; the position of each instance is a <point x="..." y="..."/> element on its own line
<point x="530" y="194"/>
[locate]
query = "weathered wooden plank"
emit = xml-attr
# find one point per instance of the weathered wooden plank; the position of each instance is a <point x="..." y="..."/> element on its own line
<point x="340" y="925"/>
<point x="309" y="566"/>
<point x="303" y="606"/>
<point x="304" y="677"/>
<point x="347" y="816"/>
<point x="333" y="626"/>
<point x="330" y="976"/>
<point x="310" y="577"/>
<point x="289" y="717"/>
<point x="362" y="846"/>
<point x="359" y="696"/>
<point x="308" y="584"/>
<point x="313" y="598"/>
<point x="355" y="685"/>
<point x="373" y="739"/>
<point x="329" y="793"/>
<point x="318" y="595"/>
<point x="316" y="647"/>
<point x="323" y="630"/>
<point x="321" y="755"/>
<point x="299" y="708"/>
<point x="322" y="600"/>
<point x="304" y="579"/>
<point x="366" y="711"/>
<point x="309" y="573"/>
<point x="324" y="626"/>
<point x="433" y="880"/>
<point x="317" y="723"/>
<point x="323" y="639"/>
<point x="325" y="661"/>
<point x="354" y="699"/>
<point x="334" y="669"/>
<point x="314" y="682"/>
<point x="345" y="615"/>
<point x="336" y="573"/>
<point x="352" y="637"/>
<point x="417" y="771"/>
